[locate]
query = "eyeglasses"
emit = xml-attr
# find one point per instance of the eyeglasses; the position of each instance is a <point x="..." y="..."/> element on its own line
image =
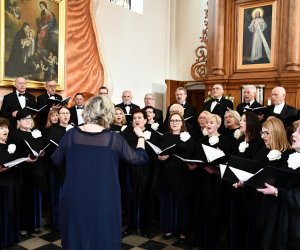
<point x="149" y="111"/>
<point x="175" y="121"/>
<point x="64" y="113"/>
<point x="149" y="98"/>
<point x="264" y="133"/>
<point x="51" y="86"/>
<point x="26" y="118"/>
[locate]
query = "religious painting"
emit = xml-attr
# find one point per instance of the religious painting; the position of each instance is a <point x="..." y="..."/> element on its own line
<point x="256" y="35"/>
<point x="32" y="42"/>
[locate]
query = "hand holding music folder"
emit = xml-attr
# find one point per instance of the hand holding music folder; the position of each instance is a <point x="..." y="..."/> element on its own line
<point x="35" y="110"/>
<point x="167" y="151"/>
<point x="213" y="155"/>
<point x="255" y="174"/>
<point x="260" y="110"/>
<point x="188" y="160"/>
<point x="35" y="154"/>
<point x="15" y="162"/>
<point x="52" y="101"/>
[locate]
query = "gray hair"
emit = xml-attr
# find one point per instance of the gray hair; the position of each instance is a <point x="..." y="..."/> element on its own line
<point x="99" y="110"/>
<point x="250" y="86"/>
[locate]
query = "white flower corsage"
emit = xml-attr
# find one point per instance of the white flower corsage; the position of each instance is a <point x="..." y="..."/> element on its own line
<point x="154" y="126"/>
<point x="147" y="135"/>
<point x="237" y="134"/>
<point x="36" y="133"/>
<point x="52" y="97"/>
<point x="204" y="131"/>
<point x="184" y="136"/>
<point x="274" y="155"/>
<point x="213" y="140"/>
<point x="294" y="160"/>
<point x="123" y="127"/>
<point x="11" y="148"/>
<point x="242" y="147"/>
<point x="69" y="127"/>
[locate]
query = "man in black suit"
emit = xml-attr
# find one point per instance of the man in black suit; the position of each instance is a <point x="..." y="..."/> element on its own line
<point x="149" y="102"/>
<point x="279" y="106"/>
<point x="189" y="111"/>
<point x="76" y="110"/>
<point x="218" y="104"/>
<point x="42" y="100"/>
<point x="249" y="99"/>
<point x="127" y="106"/>
<point x="16" y="101"/>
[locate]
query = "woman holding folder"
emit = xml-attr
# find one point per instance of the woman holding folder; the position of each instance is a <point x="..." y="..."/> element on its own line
<point x="212" y="200"/>
<point x="175" y="177"/>
<point x="288" y="199"/>
<point x="33" y="182"/>
<point x="252" y="147"/>
<point x="264" y="232"/>
<point x="8" y="184"/>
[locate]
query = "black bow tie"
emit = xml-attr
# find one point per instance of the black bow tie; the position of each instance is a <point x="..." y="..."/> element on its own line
<point x="215" y="100"/>
<point x="79" y="107"/>
<point x="248" y="103"/>
<point x="127" y="105"/>
<point x="21" y="94"/>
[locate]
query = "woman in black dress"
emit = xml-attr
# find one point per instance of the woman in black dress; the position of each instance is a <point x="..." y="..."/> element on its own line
<point x="176" y="182"/>
<point x="287" y="198"/>
<point x="33" y="174"/>
<point x="212" y="199"/>
<point x="8" y="190"/>
<point x="266" y="234"/>
<point x="251" y="146"/>
<point x="139" y="179"/>
<point x="55" y="132"/>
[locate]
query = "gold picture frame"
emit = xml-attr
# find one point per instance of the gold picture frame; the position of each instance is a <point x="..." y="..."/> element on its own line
<point x="32" y="42"/>
<point x="256" y="31"/>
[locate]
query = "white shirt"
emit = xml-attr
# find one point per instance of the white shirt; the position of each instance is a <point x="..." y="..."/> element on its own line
<point x="278" y="108"/>
<point x="79" y="116"/>
<point x="213" y="104"/>
<point x="22" y="99"/>
<point x="127" y="108"/>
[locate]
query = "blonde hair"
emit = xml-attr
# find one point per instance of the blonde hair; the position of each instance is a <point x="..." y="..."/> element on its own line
<point x="99" y="110"/>
<point x="278" y="137"/>
<point x="216" y="117"/>
<point x="123" y="115"/>
<point x="177" y="108"/>
<point x="51" y="112"/>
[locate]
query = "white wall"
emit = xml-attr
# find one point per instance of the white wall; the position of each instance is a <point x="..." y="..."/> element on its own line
<point x="141" y="51"/>
<point x="134" y="48"/>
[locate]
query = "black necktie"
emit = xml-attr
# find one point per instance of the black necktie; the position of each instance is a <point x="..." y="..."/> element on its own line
<point x="21" y="94"/>
<point x="79" y="107"/>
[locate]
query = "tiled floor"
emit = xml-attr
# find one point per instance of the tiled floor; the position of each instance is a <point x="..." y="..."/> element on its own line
<point x="48" y="240"/>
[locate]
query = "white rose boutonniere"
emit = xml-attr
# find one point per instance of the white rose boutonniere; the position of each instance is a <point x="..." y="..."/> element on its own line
<point x="294" y="160"/>
<point x="184" y="136"/>
<point x="36" y="133"/>
<point x="242" y="147"/>
<point x="147" y="135"/>
<point x="123" y="127"/>
<point x="237" y="134"/>
<point x="11" y="148"/>
<point x="70" y="126"/>
<point x="213" y="140"/>
<point x="154" y="126"/>
<point x="274" y="155"/>
<point x="204" y="131"/>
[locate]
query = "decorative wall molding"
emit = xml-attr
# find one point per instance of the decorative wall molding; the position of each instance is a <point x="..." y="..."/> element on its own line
<point x="199" y="68"/>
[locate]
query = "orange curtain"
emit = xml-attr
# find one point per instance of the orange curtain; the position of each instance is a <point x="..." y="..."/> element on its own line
<point x="84" y="70"/>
